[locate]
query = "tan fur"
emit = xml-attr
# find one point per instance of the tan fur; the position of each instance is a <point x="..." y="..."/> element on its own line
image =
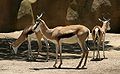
<point x="58" y="33"/>
<point x="101" y="36"/>
<point x="25" y="36"/>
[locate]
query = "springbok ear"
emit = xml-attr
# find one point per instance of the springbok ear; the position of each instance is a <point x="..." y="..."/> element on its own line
<point x="41" y="15"/>
<point x="100" y="20"/>
<point x="108" y="19"/>
<point x="104" y="18"/>
<point x="9" y="43"/>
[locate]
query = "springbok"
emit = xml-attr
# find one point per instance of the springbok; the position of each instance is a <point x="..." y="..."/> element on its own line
<point x="98" y="35"/>
<point x="26" y="35"/>
<point x="67" y="34"/>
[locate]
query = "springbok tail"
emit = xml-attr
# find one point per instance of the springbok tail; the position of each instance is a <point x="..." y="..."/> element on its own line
<point x="96" y="34"/>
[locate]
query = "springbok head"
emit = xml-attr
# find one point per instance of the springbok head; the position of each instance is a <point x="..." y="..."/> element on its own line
<point x="105" y="22"/>
<point x="38" y="20"/>
<point x="14" y="49"/>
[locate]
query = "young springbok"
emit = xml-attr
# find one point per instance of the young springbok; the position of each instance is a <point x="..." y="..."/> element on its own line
<point x="26" y="35"/>
<point x="64" y="34"/>
<point x="98" y="35"/>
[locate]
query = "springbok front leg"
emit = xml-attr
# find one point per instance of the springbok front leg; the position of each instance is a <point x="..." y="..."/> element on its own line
<point x="57" y="48"/>
<point x="39" y="37"/>
<point x="47" y="44"/>
<point x="29" y="48"/>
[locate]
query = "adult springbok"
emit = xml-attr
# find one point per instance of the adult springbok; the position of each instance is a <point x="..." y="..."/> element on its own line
<point x="64" y="34"/>
<point x="98" y="35"/>
<point x="26" y="35"/>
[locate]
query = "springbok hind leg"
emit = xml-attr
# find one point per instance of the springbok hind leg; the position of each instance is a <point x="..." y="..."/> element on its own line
<point x="103" y="46"/>
<point x="60" y="56"/>
<point x="94" y="50"/>
<point x="82" y="45"/>
<point x="29" y="48"/>
<point x="39" y="36"/>
<point x="86" y="56"/>
<point x="98" y="50"/>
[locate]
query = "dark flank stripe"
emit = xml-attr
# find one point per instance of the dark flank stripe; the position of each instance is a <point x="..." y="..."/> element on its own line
<point x="66" y="35"/>
<point x="99" y="32"/>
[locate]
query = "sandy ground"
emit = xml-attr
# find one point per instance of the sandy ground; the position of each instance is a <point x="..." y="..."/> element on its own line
<point x="17" y="64"/>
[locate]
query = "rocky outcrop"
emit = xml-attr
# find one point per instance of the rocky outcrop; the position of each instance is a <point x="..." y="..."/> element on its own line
<point x="90" y="10"/>
<point x="8" y="14"/>
<point x="58" y="12"/>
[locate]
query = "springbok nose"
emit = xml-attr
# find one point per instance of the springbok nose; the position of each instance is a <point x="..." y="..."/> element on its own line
<point x="14" y="49"/>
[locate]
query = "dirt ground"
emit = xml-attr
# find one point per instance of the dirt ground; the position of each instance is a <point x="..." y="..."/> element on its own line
<point x="18" y="64"/>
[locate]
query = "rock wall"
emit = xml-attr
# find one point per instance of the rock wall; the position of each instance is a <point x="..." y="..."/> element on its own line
<point x="58" y="12"/>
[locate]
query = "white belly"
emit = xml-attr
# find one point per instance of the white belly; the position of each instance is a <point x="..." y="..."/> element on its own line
<point x="70" y="40"/>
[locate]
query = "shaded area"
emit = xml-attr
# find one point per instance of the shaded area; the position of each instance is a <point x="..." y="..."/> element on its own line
<point x="67" y="68"/>
<point x="91" y="46"/>
<point x="6" y="51"/>
<point x="18" y="14"/>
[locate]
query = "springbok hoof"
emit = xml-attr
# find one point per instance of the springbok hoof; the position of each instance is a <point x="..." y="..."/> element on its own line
<point x="54" y="66"/>
<point x="83" y="67"/>
<point x="59" y="66"/>
<point x="77" y="67"/>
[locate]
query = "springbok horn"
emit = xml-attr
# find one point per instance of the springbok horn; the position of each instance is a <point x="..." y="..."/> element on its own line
<point x="38" y="17"/>
<point x="41" y="15"/>
<point x="100" y="20"/>
<point x="104" y="18"/>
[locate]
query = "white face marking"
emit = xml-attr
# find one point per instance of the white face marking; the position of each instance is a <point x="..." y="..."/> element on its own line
<point x="96" y="29"/>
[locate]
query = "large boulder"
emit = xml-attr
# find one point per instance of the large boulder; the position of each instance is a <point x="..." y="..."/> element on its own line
<point x="86" y="12"/>
<point x="54" y="11"/>
<point x="8" y="14"/>
<point x="17" y="14"/>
